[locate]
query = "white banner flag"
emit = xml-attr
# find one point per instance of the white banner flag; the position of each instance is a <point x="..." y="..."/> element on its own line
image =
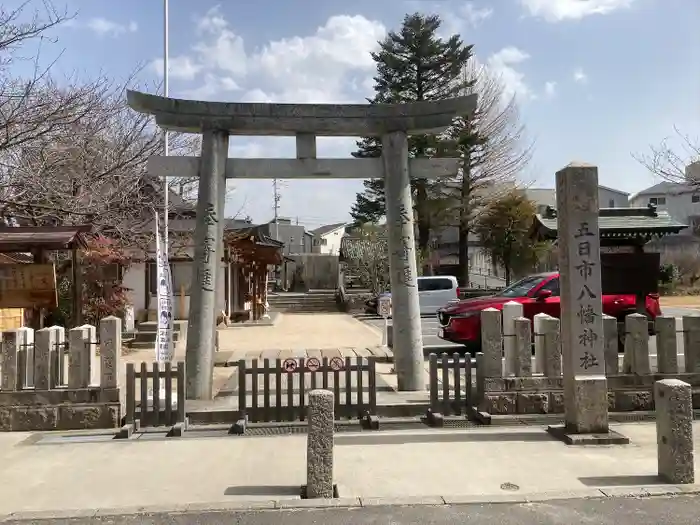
<point x="164" y="336"/>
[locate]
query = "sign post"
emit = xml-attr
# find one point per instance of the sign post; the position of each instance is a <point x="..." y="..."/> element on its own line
<point x="384" y="307"/>
<point x="164" y="334"/>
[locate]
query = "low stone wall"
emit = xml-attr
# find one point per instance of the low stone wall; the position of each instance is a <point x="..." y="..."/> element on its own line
<point x="53" y="382"/>
<point x="70" y="409"/>
<point x="545" y="395"/>
<point x="510" y="388"/>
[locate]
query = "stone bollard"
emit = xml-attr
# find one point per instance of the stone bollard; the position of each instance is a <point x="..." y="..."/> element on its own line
<point x="82" y="358"/>
<point x="548" y="346"/>
<point x="611" y="348"/>
<point x="522" y="360"/>
<point x="666" y="345"/>
<point x="319" y="448"/>
<point x="491" y="343"/>
<point x="511" y="311"/>
<point x="636" y="360"/>
<point x="691" y="343"/>
<point x="674" y="431"/>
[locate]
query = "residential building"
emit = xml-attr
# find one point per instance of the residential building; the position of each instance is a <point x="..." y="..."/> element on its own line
<point x="326" y="239"/>
<point x="294" y="236"/>
<point x="680" y="200"/>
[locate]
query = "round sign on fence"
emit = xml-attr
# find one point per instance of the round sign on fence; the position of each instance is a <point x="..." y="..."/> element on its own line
<point x="336" y="363"/>
<point x="313" y="364"/>
<point x="289" y="365"/>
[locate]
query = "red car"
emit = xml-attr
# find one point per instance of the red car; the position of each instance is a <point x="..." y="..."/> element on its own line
<point x="461" y="322"/>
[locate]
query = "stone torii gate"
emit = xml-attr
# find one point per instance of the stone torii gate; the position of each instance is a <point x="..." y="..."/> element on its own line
<point x="216" y="121"/>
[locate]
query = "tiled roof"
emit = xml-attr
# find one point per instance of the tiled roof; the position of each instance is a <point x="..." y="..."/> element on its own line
<point x="327" y="228"/>
<point x="615" y="222"/>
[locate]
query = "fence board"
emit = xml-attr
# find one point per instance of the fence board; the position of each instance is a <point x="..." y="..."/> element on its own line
<point x="450" y="384"/>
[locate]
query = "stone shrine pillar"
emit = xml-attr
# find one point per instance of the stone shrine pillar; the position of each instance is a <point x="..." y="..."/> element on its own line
<point x="407" y="333"/>
<point x="208" y="250"/>
<point x="582" y="340"/>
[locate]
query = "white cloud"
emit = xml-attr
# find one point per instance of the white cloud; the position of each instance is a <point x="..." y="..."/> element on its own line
<point x="580" y="76"/>
<point x="503" y="64"/>
<point x="181" y="67"/>
<point x="559" y="10"/>
<point x="104" y="27"/>
<point x="550" y="88"/>
<point x="474" y="15"/>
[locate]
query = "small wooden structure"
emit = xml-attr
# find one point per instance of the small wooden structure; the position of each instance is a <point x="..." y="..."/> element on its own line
<point x="38" y="241"/>
<point x="248" y="255"/>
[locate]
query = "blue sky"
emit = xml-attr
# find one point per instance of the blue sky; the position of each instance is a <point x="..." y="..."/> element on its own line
<point x="597" y="80"/>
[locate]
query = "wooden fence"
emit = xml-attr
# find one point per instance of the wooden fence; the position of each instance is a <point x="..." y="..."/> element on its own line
<point x="152" y="411"/>
<point x="450" y="384"/>
<point x="277" y="391"/>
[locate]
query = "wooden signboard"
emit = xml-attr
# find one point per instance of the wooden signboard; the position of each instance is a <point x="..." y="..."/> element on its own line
<point x="28" y="286"/>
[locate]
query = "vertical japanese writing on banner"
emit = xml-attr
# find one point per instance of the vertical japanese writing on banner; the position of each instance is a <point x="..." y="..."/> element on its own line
<point x="164" y="336"/>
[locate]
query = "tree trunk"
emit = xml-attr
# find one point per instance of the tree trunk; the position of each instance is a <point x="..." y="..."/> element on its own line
<point x="463" y="273"/>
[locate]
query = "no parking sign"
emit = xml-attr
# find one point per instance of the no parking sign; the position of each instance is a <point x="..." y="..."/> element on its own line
<point x="384" y="306"/>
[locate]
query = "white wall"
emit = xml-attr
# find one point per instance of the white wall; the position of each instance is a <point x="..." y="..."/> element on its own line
<point x="332" y="242"/>
<point x="680" y="206"/>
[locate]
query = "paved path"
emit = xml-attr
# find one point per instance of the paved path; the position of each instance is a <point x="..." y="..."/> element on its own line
<point x="51" y="472"/>
<point x="674" y="510"/>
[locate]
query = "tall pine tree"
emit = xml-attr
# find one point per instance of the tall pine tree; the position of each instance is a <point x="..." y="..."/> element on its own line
<point x="413" y="64"/>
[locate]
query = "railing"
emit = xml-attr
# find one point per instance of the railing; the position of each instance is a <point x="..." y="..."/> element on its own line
<point x="154" y="412"/>
<point x="277" y="391"/>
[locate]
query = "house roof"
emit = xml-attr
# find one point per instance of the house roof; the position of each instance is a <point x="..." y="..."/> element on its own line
<point x="327" y="228"/>
<point x="28" y="238"/>
<point x="618" y="223"/>
<point x="668" y="188"/>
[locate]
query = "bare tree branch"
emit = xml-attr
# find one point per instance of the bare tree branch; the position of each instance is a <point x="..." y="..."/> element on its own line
<point x="672" y="164"/>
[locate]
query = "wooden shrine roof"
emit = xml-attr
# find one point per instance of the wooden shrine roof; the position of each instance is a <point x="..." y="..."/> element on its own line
<point x="28" y="238"/>
<point x="617" y="224"/>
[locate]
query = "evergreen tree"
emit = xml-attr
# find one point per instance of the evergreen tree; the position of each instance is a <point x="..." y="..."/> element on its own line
<point x="413" y="64"/>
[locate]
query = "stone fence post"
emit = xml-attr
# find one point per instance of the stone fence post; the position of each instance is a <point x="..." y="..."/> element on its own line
<point x="636" y="360"/>
<point x="522" y="359"/>
<point x="666" y="345"/>
<point x="691" y="343"/>
<point x="60" y="354"/>
<point x="110" y="351"/>
<point x="511" y="311"/>
<point x="611" y="346"/>
<point x="491" y="343"/>
<point x="25" y="356"/>
<point x="44" y="347"/>
<point x="547" y="345"/>
<point x="8" y="358"/>
<point x="319" y="448"/>
<point x="82" y="357"/>
<point x="674" y="431"/>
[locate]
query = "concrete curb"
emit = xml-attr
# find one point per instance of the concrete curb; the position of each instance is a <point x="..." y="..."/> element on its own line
<point x="291" y="504"/>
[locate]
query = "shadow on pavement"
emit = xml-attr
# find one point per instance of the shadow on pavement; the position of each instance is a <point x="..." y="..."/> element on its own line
<point x="440" y="437"/>
<point x="621" y="481"/>
<point x="263" y="490"/>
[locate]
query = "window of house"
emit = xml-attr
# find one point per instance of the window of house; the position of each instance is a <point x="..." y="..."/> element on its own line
<point x="695" y="198"/>
<point x="182" y="277"/>
<point x="611" y="203"/>
<point x="324" y="242"/>
<point x="657" y="201"/>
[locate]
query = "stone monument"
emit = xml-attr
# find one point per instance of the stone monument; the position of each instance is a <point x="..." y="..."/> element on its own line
<point x="216" y="121"/>
<point x="582" y="340"/>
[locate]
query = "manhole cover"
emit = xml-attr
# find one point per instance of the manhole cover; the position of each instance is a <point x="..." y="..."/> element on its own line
<point x="509" y="486"/>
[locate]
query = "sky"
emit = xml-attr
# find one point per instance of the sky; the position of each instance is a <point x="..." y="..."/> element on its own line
<point x="596" y="80"/>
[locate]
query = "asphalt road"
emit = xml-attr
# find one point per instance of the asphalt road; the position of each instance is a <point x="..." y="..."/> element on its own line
<point x="676" y="510"/>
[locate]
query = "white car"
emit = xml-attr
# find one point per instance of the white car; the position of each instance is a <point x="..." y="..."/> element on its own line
<point x="434" y="292"/>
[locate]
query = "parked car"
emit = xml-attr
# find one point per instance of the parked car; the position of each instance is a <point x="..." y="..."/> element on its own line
<point x="434" y="292"/>
<point x="461" y="322"/>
